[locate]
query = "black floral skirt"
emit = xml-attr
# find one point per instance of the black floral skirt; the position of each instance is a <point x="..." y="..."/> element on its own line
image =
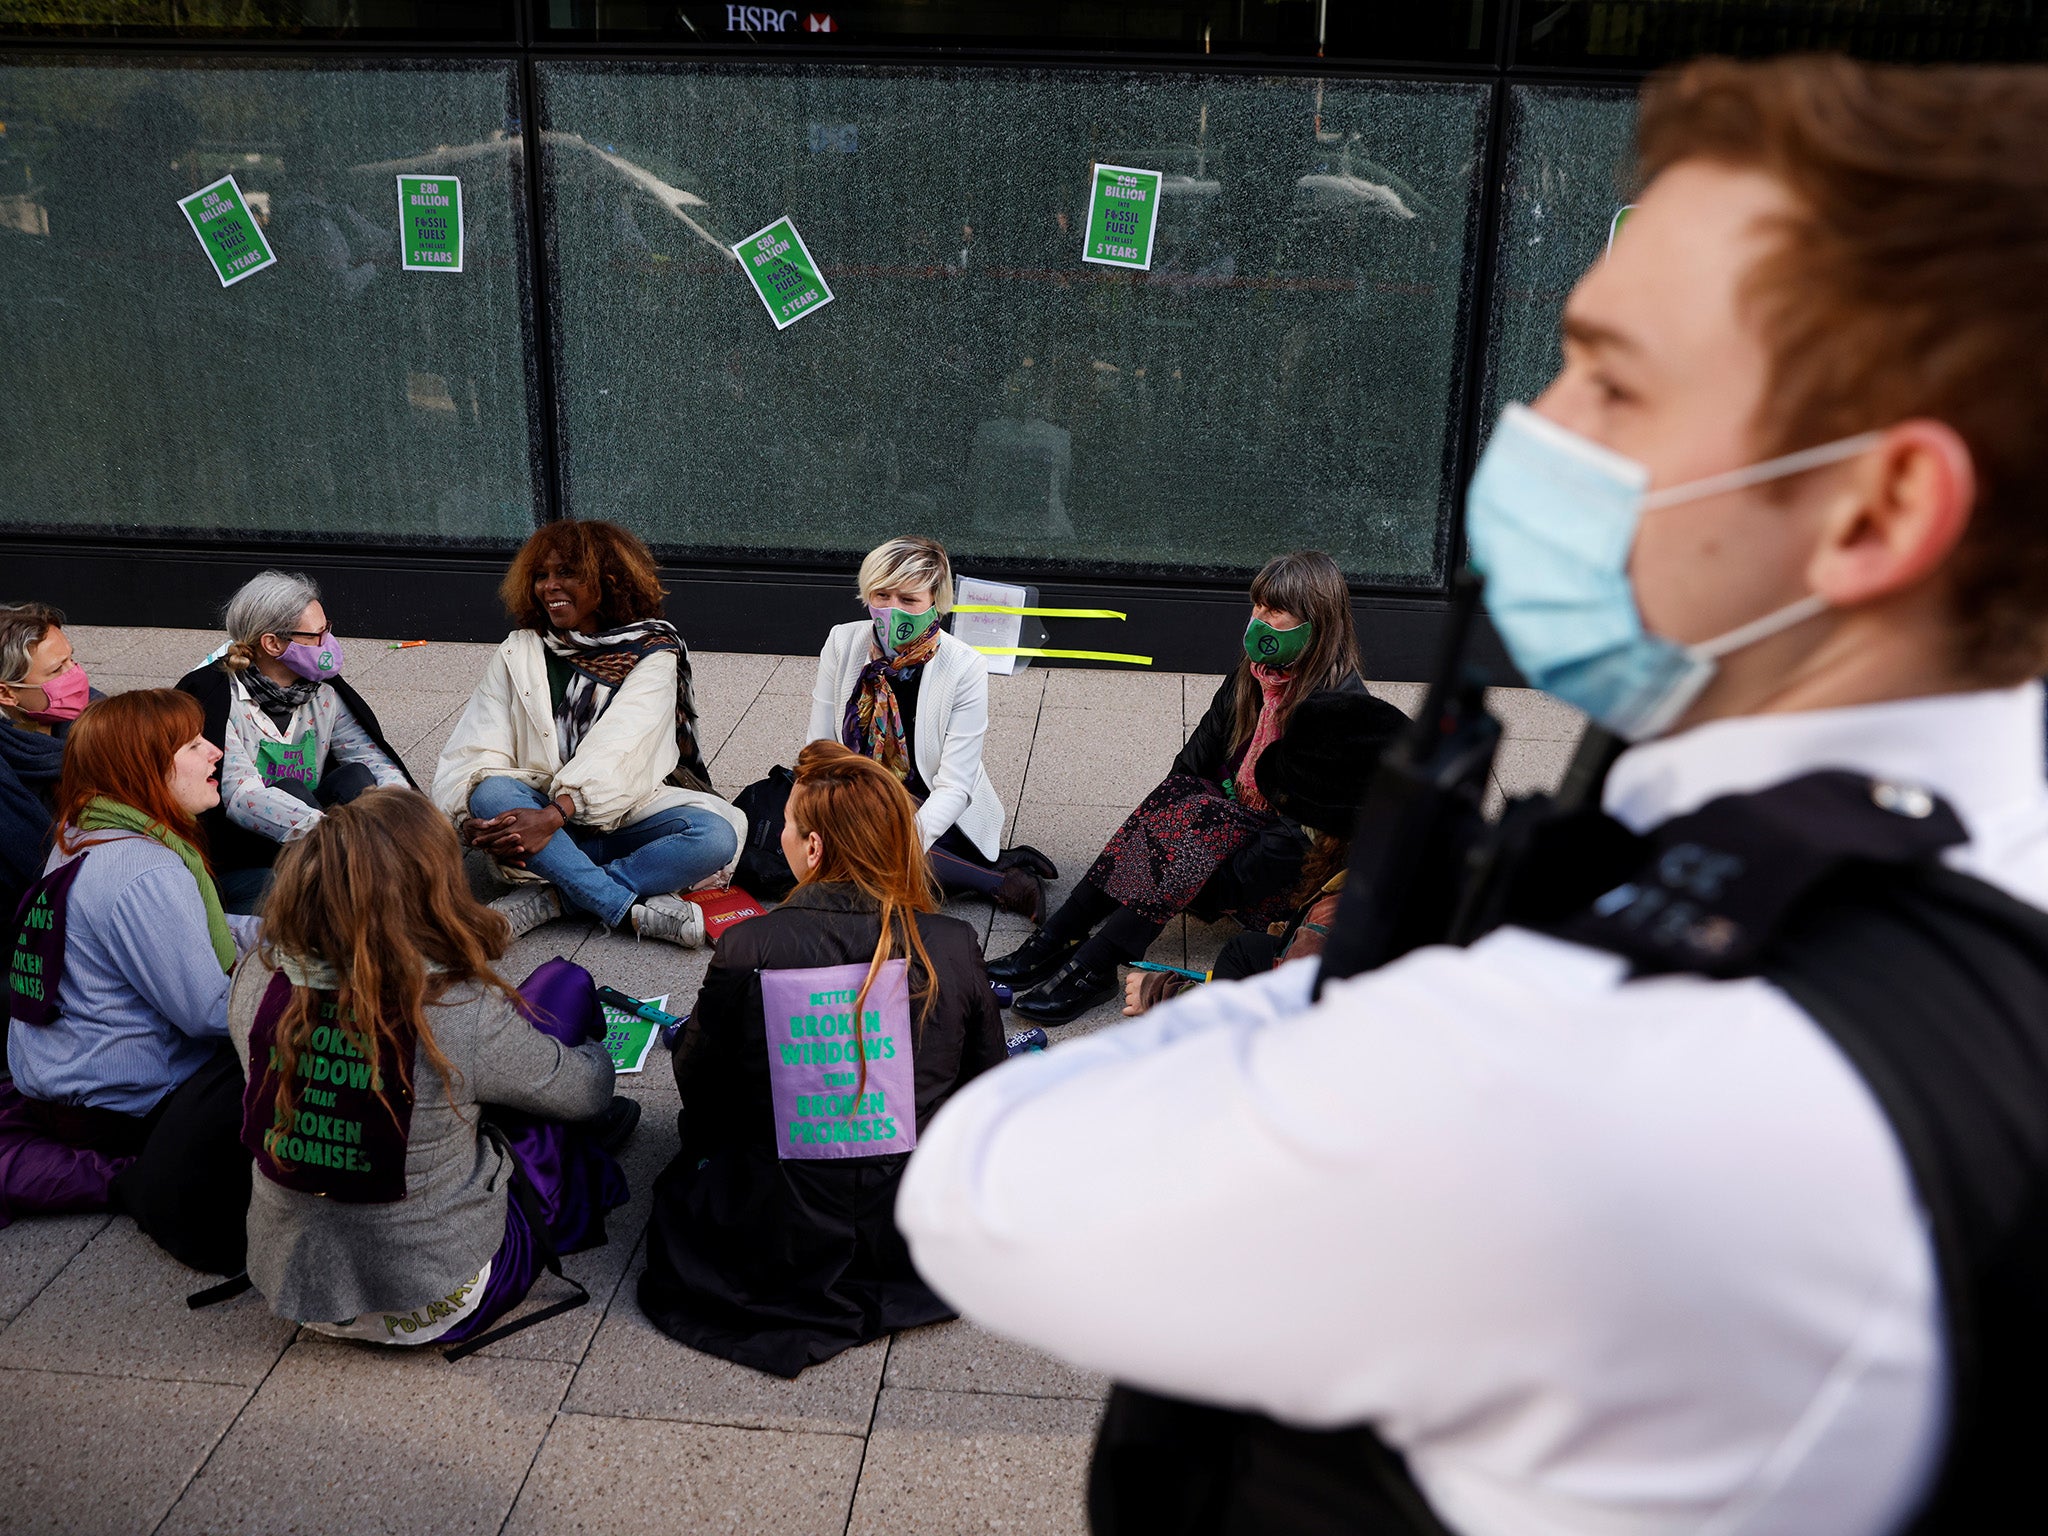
<point x="1172" y="846"/>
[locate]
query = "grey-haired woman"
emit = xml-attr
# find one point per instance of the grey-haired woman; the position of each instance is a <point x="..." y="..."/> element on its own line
<point x="295" y="739"/>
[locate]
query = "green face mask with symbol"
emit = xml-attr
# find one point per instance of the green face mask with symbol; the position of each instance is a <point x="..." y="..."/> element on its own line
<point x="898" y="630"/>
<point x="1276" y="647"/>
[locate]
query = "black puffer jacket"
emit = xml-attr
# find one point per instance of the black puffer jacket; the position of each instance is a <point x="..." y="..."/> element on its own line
<point x="1270" y="864"/>
<point x="781" y="1264"/>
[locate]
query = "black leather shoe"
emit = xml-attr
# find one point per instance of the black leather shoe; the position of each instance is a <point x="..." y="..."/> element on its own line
<point x="615" y="1123"/>
<point x="1024" y="856"/>
<point x="1032" y="961"/>
<point x="1071" y="993"/>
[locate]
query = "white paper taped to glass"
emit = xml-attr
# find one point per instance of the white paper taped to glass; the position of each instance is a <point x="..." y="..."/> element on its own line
<point x="1001" y="622"/>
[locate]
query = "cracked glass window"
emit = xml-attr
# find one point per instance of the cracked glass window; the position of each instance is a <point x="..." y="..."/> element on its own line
<point x="329" y="393"/>
<point x="1283" y="376"/>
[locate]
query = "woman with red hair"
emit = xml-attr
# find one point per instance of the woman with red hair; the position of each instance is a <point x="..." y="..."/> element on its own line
<point x="118" y="984"/>
<point x="826" y="1036"/>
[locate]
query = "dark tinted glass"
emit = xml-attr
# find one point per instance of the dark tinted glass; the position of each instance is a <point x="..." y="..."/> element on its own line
<point x="1569" y="158"/>
<point x="1636" y="34"/>
<point x="330" y="394"/>
<point x="1447" y="30"/>
<point x="1284" y="375"/>
<point x="424" y="20"/>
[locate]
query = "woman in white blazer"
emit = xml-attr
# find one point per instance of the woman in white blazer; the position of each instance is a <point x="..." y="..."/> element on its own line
<point x="576" y="764"/>
<point x="897" y="687"/>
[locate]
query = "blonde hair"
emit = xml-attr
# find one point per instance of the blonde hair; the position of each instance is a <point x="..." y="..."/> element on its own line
<point x="911" y="561"/>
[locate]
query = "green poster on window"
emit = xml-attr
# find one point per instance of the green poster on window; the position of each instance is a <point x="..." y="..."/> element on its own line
<point x="430" y="223"/>
<point x="1122" y="213"/>
<point x="224" y="225"/>
<point x="779" y="265"/>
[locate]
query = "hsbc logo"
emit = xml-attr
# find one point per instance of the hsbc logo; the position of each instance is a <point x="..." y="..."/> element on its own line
<point x="768" y="18"/>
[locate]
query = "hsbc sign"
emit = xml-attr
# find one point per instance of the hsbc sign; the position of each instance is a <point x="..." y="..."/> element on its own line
<point x="768" y="18"/>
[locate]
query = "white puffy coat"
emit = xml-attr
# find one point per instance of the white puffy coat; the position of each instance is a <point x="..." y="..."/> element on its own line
<point x="618" y="775"/>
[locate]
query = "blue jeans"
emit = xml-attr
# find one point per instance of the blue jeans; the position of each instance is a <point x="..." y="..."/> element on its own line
<point x="605" y="873"/>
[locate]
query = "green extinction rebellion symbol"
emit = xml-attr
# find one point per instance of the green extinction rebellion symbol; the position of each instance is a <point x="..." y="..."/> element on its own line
<point x="1122" y="213"/>
<point x="779" y="265"/>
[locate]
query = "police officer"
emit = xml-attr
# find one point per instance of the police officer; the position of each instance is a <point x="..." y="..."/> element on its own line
<point x="1711" y="1197"/>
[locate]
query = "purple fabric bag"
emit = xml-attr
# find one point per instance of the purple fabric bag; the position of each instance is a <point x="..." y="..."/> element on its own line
<point x="574" y="1179"/>
<point x="41" y="1176"/>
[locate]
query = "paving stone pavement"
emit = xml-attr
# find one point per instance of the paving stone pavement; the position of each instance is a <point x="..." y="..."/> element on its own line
<point x="123" y="1411"/>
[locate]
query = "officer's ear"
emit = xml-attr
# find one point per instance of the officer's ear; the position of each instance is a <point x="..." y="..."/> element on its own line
<point x="1902" y="509"/>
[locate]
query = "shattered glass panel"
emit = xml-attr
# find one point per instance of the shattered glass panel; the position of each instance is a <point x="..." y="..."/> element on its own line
<point x="1570" y="154"/>
<point x="329" y="393"/>
<point x="1283" y="376"/>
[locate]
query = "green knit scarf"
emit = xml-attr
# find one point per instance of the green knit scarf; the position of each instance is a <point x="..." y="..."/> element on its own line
<point x="102" y="814"/>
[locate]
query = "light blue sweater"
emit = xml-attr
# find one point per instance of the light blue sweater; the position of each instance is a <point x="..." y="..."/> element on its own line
<point x="143" y="1001"/>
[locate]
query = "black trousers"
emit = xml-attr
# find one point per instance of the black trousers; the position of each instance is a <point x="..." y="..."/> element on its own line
<point x="1251" y="953"/>
<point x="188" y="1187"/>
<point x="337" y="787"/>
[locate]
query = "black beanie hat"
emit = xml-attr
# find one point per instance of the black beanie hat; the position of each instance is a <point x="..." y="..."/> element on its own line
<point x="1316" y="773"/>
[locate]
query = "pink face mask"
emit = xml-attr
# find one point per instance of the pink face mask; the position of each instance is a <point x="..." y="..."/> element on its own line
<point x="64" y="696"/>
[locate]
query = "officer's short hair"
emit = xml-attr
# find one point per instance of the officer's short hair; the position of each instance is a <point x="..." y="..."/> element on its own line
<point x="1913" y="283"/>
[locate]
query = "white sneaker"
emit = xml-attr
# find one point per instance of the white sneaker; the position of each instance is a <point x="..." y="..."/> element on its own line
<point x="528" y="906"/>
<point x="671" y="918"/>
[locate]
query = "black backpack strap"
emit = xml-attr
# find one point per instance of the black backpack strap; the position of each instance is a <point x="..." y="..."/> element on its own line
<point x="527" y="1197"/>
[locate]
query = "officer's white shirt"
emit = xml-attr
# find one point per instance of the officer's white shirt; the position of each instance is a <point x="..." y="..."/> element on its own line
<point x="1602" y="1260"/>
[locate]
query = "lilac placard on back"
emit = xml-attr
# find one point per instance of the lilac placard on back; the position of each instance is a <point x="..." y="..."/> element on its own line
<point x="814" y="1061"/>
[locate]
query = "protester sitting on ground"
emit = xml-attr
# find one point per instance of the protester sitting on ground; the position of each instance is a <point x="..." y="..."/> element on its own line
<point x="42" y="690"/>
<point x="1706" y="1191"/>
<point x="1206" y="840"/>
<point x="826" y="1035"/>
<point x="1315" y="777"/>
<point x="585" y="725"/>
<point x="899" y="688"/>
<point x="383" y="1052"/>
<point x="119" y="978"/>
<point x="295" y="737"/>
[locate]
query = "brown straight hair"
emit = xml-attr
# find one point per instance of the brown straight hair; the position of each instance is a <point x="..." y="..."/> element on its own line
<point x="376" y="890"/>
<point x="622" y="567"/>
<point x="867" y="823"/>
<point x="1910" y="284"/>
<point x="1308" y="585"/>
<point x="122" y="748"/>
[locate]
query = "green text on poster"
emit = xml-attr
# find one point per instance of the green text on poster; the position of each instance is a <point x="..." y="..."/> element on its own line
<point x="779" y="265"/>
<point x="628" y="1037"/>
<point x="430" y="223"/>
<point x="1123" y="210"/>
<point x="233" y="240"/>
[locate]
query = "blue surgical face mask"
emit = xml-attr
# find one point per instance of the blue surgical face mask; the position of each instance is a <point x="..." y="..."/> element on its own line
<point x="1551" y="518"/>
